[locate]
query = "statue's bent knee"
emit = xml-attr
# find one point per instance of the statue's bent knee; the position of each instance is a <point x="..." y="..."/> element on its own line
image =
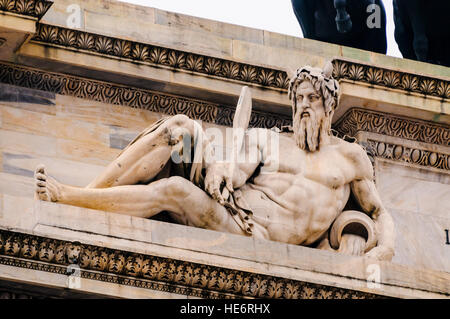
<point x="180" y="120"/>
<point x="176" y="186"/>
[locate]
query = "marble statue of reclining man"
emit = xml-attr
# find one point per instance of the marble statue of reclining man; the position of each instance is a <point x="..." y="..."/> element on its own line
<point x="292" y="192"/>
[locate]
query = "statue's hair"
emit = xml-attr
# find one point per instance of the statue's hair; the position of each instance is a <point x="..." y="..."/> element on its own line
<point x="323" y="83"/>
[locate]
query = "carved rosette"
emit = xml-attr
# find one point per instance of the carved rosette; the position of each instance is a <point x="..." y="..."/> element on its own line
<point x="157" y="273"/>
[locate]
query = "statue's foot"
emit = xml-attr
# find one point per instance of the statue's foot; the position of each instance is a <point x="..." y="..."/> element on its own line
<point x="47" y="188"/>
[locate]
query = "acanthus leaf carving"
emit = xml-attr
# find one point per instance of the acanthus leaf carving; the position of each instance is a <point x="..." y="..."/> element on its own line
<point x="67" y="38"/>
<point x="364" y="120"/>
<point x="230" y="70"/>
<point x="24" y="6"/>
<point x="249" y="74"/>
<point x="340" y="69"/>
<point x="33" y="8"/>
<point x="266" y="77"/>
<point x="85" y="41"/>
<point x="233" y="70"/>
<point x="443" y="90"/>
<point x="7" y="5"/>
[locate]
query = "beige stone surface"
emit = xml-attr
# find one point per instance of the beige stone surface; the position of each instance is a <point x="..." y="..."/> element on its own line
<point x="75" y="135"/>
<point x="268" y="56"/>
<point x="420" y="204"/>
<point x="37" y="122"/>
<point x="102" y="113"/>
<point x="15" y="30"/>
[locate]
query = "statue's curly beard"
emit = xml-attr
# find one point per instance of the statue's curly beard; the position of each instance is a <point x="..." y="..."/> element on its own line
<point x="307" y="131"/>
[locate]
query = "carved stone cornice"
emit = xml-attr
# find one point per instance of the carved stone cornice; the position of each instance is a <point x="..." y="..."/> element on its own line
<point x="393" y="79"/>
<point x="156" y="273"/>
<point x="356" y="120"/>
<point x="231" y="70"/>
<point x="161" y="56"/>
<point x="129" y="96"/>
<point x="31" y="8"/>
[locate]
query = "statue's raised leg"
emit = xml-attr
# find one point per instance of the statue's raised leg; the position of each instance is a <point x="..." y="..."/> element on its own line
<point x="147" y="155"/>
<point x="178" y="195"/>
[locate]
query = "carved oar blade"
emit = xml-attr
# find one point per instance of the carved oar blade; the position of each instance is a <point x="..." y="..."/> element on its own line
<point x="243" y="109"/>
<point x="241" y="121"/>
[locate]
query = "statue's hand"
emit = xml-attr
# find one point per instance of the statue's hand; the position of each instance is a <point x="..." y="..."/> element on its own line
<point x="381" y="253"/>
<point x="219" y="174"/>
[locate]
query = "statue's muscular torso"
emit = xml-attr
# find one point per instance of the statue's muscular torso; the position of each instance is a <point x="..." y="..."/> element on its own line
<point x="297" y="202"/>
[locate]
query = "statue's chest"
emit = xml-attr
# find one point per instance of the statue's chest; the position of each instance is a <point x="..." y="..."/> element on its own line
<point x="326" y="166"/>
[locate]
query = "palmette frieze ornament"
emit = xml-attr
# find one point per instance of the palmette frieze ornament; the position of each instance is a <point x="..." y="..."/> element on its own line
<point x="32" y="8"/>
<point x="266" y="77"/>
<point x="391" y="79"/>
<point x="156" y="273"/>
<point x="146" y="53"/>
